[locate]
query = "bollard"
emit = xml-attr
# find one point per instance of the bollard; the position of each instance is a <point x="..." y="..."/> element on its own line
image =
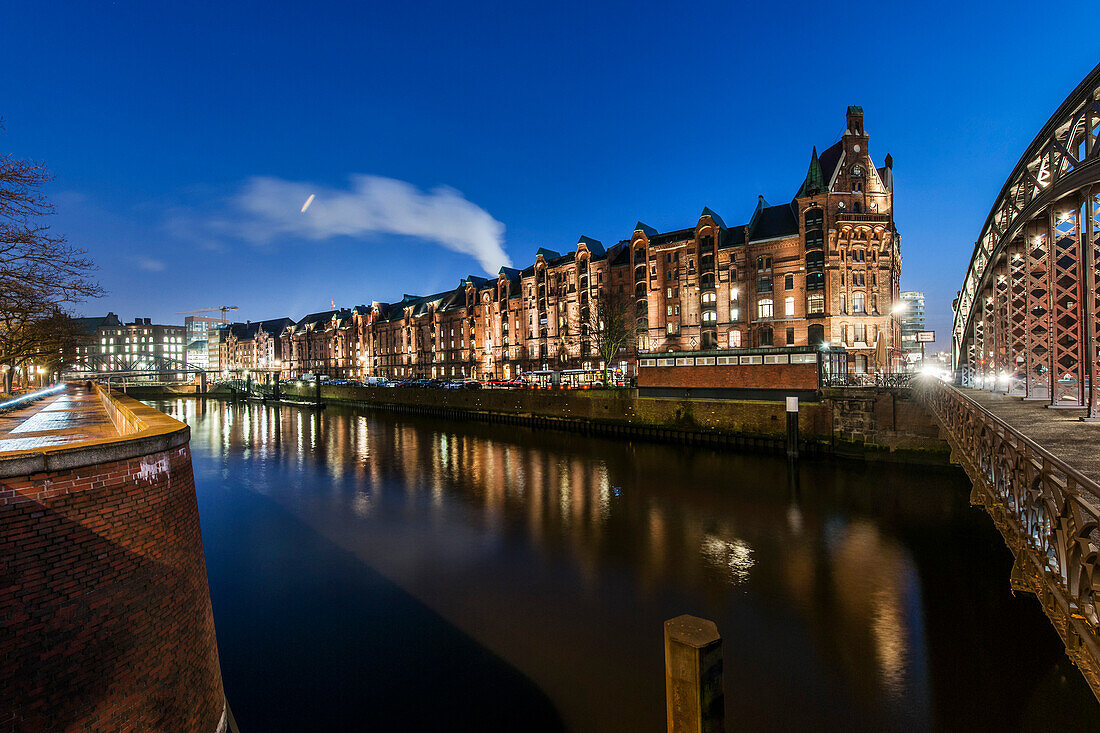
<point x="694" y="699"/>
<point x="792" y="427"/>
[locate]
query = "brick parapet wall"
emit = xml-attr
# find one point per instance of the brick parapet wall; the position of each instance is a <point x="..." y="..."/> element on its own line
<point x="105" y="617"/>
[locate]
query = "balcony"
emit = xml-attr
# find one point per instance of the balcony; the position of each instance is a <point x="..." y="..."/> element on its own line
<point x="847" y="216"/>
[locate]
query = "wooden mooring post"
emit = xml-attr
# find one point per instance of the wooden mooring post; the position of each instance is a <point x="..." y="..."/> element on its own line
<point x="694" y="699"/>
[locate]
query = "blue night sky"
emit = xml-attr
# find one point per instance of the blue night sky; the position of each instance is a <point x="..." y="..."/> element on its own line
<point x="441" y="140"/>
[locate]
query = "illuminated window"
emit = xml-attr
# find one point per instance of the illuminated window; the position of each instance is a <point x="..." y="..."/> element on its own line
<point x="735" y="314"/>
<point x="764" y="308"/>
<point x="710" y="317"/>
<point x="788" y="306"/>
<point x="735" y="339"/>
<point x="710" y="297"/>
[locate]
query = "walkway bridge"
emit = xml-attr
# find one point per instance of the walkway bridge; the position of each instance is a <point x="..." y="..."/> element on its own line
<point x="1035" y="472"/>
<point x="1024" y="339"/>
<point x="1026" y="317"/>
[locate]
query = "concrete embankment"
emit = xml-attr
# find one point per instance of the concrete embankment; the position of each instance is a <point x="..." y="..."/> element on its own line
<point x="875" y="424"/>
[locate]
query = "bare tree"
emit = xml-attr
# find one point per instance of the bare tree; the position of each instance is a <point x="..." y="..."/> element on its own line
<point x="41" y="274"/>
<point x="610" y="324"/>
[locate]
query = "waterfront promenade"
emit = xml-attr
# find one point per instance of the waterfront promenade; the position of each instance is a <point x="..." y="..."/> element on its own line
<point x="73" y="416"/>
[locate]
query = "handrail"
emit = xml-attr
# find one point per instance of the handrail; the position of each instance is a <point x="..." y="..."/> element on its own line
<point x="1047" y="511"/>
<point x="1077" y="476"/>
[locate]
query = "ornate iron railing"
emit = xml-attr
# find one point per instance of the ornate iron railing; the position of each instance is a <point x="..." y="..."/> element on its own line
<point x="1047" y="511"/>
<point x="896" y="381"/>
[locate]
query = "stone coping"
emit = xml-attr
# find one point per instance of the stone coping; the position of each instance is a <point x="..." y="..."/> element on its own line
<point x="145" y="431"/>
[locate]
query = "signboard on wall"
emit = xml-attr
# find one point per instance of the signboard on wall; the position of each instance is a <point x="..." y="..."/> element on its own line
<point x="926" y="337"/>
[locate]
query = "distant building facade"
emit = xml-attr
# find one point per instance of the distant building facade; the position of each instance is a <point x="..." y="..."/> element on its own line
<point x="912" y="323"/>
<point x="822" y="269"/>
<point x="197" y="330"/>
<point x="140" y="345"/>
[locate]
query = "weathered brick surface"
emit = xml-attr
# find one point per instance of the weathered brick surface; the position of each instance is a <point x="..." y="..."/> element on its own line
<point x="738" y="376"/>
<point x="105" y="618"/>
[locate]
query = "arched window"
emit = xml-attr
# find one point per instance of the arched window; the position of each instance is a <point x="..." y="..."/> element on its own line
<point x="815" y="217"/>
<point x="710" y="297"/>
<point x="710" y="317"/>
<point x="764" y="308"/>
<point x="816" y="334"/>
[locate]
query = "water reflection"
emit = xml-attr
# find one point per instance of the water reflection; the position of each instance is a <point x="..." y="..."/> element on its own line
<point x="564" y="554"/>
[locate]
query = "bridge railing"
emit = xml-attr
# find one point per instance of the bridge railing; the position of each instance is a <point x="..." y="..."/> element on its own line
<point x="901" y="381"/>
<point x="1048" y="511"/>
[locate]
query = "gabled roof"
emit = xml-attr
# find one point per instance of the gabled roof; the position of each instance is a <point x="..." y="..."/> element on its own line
<point x="829" y="161"/>
<point x="645" y="229"/>
<point x="717" y="219"/>
<point x="90" y="324"/>
<point x="594" y="246"/>
<point x="769" y="222"/>
<point x="510" y="273"/>
<point x="272" y="327"/>
<point x="548" y="254"/>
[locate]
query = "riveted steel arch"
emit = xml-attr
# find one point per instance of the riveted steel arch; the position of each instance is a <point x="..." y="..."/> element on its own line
<point x="1040" y="237"/>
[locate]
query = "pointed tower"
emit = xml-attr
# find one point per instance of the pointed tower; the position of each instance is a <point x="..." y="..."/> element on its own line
<point x="815" y="179"/>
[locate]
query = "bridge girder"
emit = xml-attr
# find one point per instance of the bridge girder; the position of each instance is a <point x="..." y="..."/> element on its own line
<point x="1041" y="238"/>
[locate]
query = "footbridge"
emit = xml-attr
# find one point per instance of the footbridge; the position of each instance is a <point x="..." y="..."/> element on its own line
<point x="1024" y="342"/>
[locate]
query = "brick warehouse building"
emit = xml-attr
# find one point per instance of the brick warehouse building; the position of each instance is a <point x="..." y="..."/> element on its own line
<point x="824" y="267"/>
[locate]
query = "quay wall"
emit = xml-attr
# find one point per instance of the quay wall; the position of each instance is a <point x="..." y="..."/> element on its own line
<point x="876" y="424"/>
<point x="105" y="616"/>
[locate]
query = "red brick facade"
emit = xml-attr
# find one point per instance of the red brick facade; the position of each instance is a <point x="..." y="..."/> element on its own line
<point x="105" y="618"/>
<point x="822" y="267"/>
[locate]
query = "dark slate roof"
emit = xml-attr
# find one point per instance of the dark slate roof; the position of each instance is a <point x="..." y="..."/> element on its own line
<point x="733" y="237"/>
<point x="90" y="324"/>
<point x="676" y="236"/>
<point x="272" y="326"/>
<point x="717" y="219"/>
<point x="548" y="254"/>
<point x="619" y="253"/>
<point x="773" y="221"/>
<point x="645" y="229"/>
<point x="595" y="246"/>
<point x="315" y="318"/>
<point x="830" y="159"/>
<point x="510" y="273"/>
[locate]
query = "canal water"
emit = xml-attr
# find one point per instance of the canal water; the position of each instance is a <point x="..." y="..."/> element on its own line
<point x="375" y="572"/>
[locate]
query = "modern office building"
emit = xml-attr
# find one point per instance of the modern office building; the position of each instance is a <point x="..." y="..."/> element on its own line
<point x="912" y="323"/>
<point x="197" y="329"/>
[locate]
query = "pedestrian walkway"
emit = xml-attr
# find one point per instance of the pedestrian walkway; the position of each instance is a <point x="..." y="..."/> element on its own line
<point x="1058" y="430"/>
<point x="72" y="416"/>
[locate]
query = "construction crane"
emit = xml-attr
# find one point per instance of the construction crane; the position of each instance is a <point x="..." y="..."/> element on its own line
<point x="224" y="309"/>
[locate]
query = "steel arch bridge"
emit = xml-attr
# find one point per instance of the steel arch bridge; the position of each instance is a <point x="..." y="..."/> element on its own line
<point x="1026" y="317"/>
<point x="127" y="365"/>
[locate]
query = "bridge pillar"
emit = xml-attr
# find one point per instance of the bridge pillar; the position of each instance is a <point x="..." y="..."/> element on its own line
<point x="1092" y="300"/>
<point x="1037" y="356"/>
<point x="1017" y="315"/>
<point x="1067" y="377"/>
<point x="1002" y="352"/>
<point x="987" y="326"/>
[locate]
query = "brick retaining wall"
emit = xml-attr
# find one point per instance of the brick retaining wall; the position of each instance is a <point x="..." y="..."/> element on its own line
<point x="105" y="617"/>
<point x="871" y="423"/>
